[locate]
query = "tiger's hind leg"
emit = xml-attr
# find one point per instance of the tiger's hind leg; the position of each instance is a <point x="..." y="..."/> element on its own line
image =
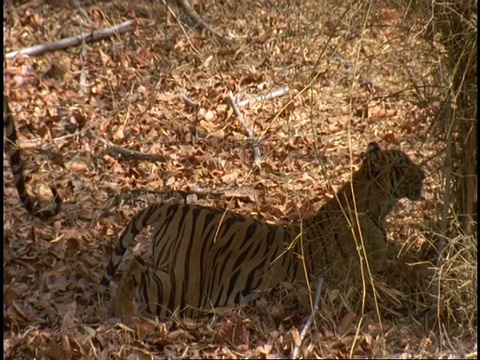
<point x="140" y="282"/>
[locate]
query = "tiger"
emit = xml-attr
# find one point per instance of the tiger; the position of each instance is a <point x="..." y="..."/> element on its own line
<point x="12" y="150"/>
<point x="204" y="257"/>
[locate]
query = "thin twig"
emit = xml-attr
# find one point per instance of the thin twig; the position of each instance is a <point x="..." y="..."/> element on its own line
<point x="271" y="95"/>
<point x="257" y="157"/>
<point x="81" y="10"/>
<point x="72" y="41"/>
<point x="318" y="291"/>
<point x="186" y="100"/>
<point x="181" y="27"/>
<point x="192" y="14"/>
<point x="450" y="119"/>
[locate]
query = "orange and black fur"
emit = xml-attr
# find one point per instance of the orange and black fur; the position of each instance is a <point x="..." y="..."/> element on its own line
<point x="205" y="257"/>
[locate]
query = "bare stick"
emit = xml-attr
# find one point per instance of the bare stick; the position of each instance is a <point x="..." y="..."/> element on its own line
<point x="192" y="14"/>
<point x="132" y="154"/>
<point x="318" y="291"/>
<point x="83" y="73"/>
<point x="181" y="26"/>
<point x="450" y="118"/>
<point x="115" y="151"/>
<point x="72" y="41"/>
<point x="271" y="95"/>
<point x="257" y="157"/>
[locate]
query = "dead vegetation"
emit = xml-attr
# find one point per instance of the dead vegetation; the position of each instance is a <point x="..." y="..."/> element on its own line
<point x="356" y="72"/>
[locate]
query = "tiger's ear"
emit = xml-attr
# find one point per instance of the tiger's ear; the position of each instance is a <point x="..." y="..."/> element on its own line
<point x="373" y="168"/>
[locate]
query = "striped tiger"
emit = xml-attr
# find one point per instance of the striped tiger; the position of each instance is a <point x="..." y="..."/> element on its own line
<point x="206" y="257"/>
<point x="12" y="150"/>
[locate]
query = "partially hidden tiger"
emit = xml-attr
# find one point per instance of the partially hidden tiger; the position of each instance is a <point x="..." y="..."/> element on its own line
<point x="12" y="150"/>
<point x="205" y="257"/>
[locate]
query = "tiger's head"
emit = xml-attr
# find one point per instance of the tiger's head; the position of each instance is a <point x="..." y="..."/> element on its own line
<point x="394" y="172"/>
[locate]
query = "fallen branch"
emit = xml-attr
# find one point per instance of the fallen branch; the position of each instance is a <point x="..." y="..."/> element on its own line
<point x="271" y="95"/>
<point x="257" y="157"/>
<point x="132" y="154"/>
<point x="117" y="151"/>
<point x="72" y="41"/>
<point x="318" y="291"/>
<point x="192" y="14"/>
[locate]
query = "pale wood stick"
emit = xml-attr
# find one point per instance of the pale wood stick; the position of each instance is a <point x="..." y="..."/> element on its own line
<point x="318" y="291"/>
<point x="72" y="41"/>
<point x="257" y="157"/>
<point x="271" y="95"/>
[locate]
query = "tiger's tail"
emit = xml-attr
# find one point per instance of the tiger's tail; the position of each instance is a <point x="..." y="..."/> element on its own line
<point x="13" y="151"/>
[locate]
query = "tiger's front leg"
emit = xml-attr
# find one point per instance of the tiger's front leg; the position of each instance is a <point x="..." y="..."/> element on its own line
<point x="140" y="282"/>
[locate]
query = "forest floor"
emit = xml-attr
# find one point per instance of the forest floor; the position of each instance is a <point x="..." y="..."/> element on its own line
<point x="351" y="72"/>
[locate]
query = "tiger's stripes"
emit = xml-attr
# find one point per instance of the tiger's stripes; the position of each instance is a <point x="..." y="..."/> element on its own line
<point x="205" y="257"/>
<point x="214" y="243"/>
<point x="13" y="152"/>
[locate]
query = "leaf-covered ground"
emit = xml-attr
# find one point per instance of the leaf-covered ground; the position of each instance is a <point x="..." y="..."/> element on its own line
<point x="355" y="72"/>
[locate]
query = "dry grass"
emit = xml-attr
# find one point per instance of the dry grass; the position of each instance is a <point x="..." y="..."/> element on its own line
<point x="357" y="72"/>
